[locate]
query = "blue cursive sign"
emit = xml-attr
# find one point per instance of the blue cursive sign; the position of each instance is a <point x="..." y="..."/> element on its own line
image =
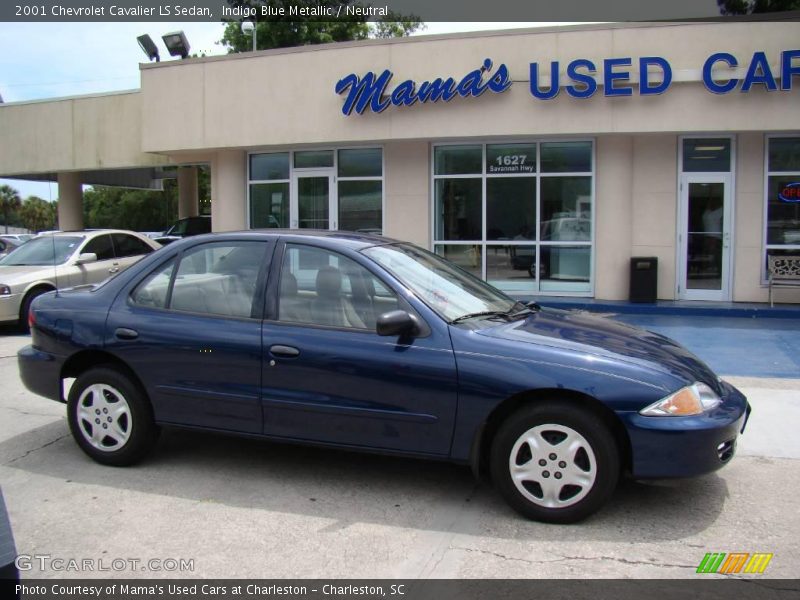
<point x="369" y="91"/>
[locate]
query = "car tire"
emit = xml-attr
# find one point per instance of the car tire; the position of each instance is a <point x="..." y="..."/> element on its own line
<point x="25" y="307"/>
<point x="555" y="462"/>
<point x="110" y="417"/>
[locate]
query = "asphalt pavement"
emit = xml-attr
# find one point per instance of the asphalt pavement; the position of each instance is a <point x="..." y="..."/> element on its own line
<point x="246" y="508"/>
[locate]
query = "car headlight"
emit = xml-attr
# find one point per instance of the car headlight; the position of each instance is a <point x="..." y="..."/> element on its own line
<point x="694" y="399"/>
<point x="5" y="290"/>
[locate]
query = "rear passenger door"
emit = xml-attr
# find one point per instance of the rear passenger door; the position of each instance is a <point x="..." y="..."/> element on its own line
<point x="191" y="330"/>
<point x="128" y="249"/>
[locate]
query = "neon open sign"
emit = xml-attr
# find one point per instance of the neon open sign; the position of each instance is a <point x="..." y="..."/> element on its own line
<point x="790" y="192"/>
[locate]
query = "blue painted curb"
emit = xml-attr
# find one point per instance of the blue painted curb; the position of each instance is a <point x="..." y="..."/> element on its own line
<point x="689" y="309"/>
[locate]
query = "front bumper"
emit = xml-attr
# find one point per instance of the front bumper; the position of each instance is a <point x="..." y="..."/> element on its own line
<point x="665" y="447"/>
<point x="40" y="372"/>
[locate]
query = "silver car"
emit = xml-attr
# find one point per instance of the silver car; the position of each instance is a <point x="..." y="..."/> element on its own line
<point x="62" y="260"/>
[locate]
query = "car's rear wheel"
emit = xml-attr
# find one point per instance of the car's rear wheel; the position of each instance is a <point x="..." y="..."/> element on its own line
<point x="555" y="462"/>
<point x="110" y="418"/>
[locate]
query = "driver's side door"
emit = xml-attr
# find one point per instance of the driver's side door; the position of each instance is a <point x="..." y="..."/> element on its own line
<point x="329" y="377"/>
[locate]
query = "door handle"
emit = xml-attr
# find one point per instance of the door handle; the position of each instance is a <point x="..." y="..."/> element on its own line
<point x="284" y="351"/>
<point x="114" y="268"/>
<point x="123" y="333"/>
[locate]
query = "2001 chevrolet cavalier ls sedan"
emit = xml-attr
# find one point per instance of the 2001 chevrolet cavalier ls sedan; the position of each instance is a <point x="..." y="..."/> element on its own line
<point x="362" y="342"/>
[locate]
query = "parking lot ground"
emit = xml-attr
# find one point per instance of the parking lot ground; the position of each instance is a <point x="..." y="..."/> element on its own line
<point x="247" y="508"/>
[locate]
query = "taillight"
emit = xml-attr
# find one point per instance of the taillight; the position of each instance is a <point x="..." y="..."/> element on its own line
<point x="31" y="318"/>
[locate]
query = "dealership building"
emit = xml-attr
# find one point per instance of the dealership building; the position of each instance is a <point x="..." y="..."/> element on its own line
<point x="542" y="160"/>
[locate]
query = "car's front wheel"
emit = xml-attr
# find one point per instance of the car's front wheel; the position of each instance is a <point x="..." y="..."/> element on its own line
<point x="555" y="462"/>
<point x="110" y="418"/>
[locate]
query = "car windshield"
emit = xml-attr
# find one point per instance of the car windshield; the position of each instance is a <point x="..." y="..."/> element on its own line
<point x="454" y="294"/>
<point x="49" y="250"/>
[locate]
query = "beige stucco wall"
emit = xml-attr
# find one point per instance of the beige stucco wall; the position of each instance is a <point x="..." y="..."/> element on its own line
<point x="87" y="133"/>
<point x="406" y="208"/>
<point x="655" y="201"/>
<point x="287" y="97"/>
<point x="613" y="210"/>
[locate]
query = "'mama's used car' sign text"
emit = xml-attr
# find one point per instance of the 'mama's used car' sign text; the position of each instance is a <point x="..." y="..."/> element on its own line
<point x="583" y="78"/>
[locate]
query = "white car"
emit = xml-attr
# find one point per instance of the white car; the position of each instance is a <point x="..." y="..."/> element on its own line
<point x="62" y="260"/>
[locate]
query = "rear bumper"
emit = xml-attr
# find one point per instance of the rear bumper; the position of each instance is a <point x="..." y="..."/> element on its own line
<point x="40" y="372"/>
<point x="666" y="447"/>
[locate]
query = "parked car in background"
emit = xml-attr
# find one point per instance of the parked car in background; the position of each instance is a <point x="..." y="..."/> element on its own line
<point x="362" y="342"/>
<point x="7" y="245"/>
<point x="185" y="228"/>
<point x="18" y="237"/>
<point x="62" y="260"/>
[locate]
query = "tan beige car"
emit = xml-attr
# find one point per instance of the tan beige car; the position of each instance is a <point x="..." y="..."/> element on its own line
<point x="64" y="259"/>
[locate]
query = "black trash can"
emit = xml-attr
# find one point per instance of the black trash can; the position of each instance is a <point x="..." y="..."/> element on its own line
<point x="644" y="279"/>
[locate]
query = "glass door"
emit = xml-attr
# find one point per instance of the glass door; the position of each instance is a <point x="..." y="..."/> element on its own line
<point x="705" y="237"/>
<point x="313" y="199"/>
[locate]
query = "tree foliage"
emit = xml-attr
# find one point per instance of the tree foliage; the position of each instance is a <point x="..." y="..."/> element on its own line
<point x="139" y="210"/>
<point x="749" y="7"/>
<point x="9" y="203"/>
<point x="38" y="214"/>
<point x="284" y="32"/>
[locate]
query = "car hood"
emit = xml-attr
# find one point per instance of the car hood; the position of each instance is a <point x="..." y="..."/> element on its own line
<point x="599" y="336"/>
<point x="10" y="275"/>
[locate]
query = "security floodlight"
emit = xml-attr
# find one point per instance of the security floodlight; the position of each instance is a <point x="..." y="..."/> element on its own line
<point x="149" y="47"/>
<point x="249" y="28"/>
<point x="176" y="43"/>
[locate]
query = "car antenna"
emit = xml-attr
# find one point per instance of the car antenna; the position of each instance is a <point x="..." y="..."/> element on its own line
<point x="55" y="268"/>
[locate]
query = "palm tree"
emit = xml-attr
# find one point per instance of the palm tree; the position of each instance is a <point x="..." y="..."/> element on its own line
<point x="9" y="202"/>
<point x="37" y="214"/>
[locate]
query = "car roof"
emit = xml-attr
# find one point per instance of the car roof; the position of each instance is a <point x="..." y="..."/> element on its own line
<point x="350" y="239"/>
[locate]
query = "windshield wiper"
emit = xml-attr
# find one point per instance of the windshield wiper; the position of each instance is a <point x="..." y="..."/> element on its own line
<point x="485" y="313"/>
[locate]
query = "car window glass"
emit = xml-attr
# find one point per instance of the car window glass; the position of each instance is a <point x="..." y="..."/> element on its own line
<point x="321" y="287"/>
<point x="153" y="290"/>
<point x="218" y="279"/>
<point x="126" y="245"/>
<point x="101" y="246"/>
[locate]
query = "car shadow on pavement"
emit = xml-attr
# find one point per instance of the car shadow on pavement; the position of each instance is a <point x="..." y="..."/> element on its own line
<point x="351" y="487"/>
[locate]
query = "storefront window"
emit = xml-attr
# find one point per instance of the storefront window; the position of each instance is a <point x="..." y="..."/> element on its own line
<point x="706" y="155"/>
<point x="269" y="205"/>
<point x="314" y="159"/>
<point x="566" y="157"/>
<point x="264" y="167"/>
<point x="783" y="197"/>
<point x="458" y="208"/>
<point x="511" y="208"/>
<point x="360" y="206"/>
<point x="517" y="214"/>
<point x="457" y="160"/>
<point x="566" y="209"/>
<point x="345" y="190"/>
<point x="361" y="162"/>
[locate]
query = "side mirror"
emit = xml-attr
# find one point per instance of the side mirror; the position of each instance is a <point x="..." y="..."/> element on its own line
<point x="86" y="257"/>
<point x="396" y="322"/>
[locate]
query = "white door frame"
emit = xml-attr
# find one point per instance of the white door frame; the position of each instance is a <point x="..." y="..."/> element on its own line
<point x="724" y="294"/>
<point x="333" y="204"/>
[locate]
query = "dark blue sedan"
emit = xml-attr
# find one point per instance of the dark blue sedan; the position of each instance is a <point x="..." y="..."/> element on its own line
<point x="362" y="342"/>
